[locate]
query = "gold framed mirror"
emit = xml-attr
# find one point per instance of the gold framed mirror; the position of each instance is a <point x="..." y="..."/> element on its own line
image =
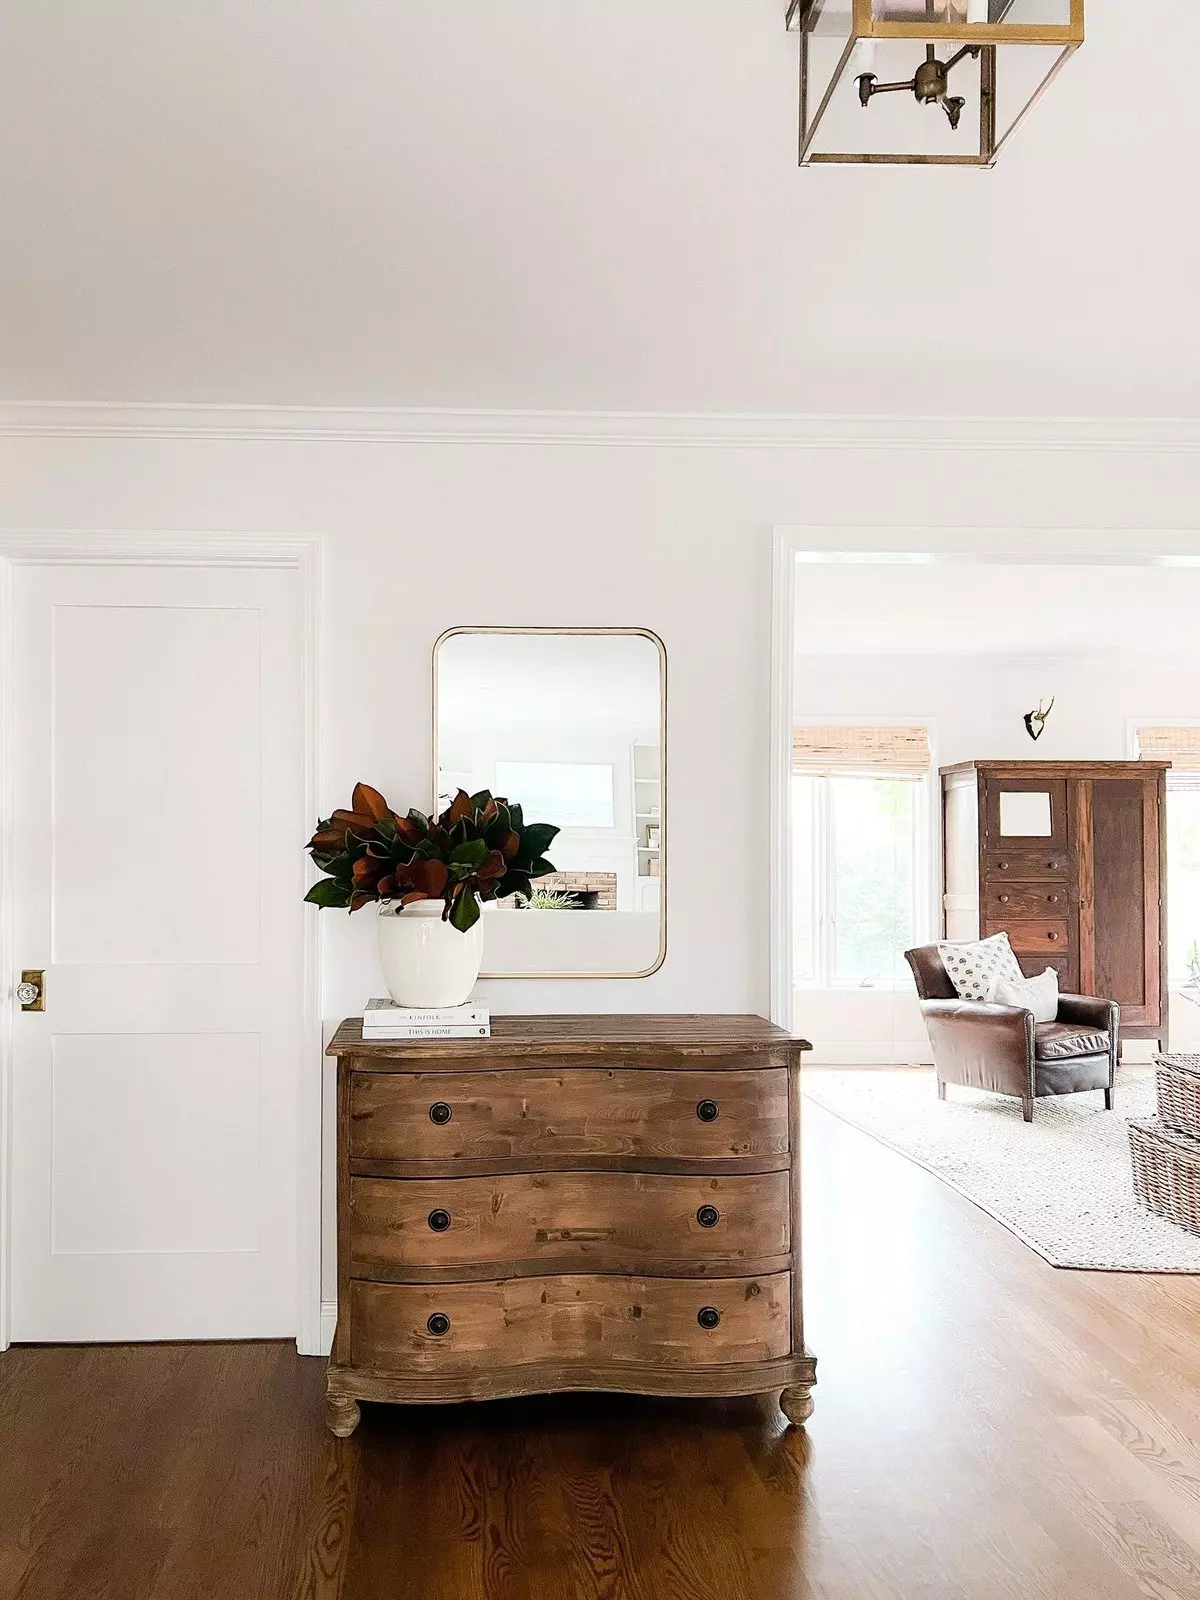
<point x="572" y="723"/>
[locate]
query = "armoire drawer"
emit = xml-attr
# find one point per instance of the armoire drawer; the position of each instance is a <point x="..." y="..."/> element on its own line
<point x="1033" y="938"/>
<point x="576" y="1319"/>
<point x="1005" y="900"/>
<point x="1022" y="864"/>
<point x="567" y="1221"/>
<point x="572" y="1111"/>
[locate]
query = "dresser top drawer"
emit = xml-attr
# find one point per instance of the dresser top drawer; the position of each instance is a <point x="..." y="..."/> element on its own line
<point x="399" y="1123"/>
<point x="718" y="1043"/>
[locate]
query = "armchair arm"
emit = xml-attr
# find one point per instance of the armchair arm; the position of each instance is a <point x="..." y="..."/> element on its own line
<point x="982" y="1046"/>
<point x="1086" y="1011"/>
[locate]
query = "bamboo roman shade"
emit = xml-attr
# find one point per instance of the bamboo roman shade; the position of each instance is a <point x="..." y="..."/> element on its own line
<point x="901" y="752"/>
<point x="1178" y="744"/>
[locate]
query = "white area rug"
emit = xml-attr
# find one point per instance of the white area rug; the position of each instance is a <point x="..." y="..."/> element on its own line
<point x="1061" y="1183"/>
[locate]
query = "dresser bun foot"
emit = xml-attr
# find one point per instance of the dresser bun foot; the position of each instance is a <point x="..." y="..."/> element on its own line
<point x="796" y="1403"/>
<point x="342" y="1415"/>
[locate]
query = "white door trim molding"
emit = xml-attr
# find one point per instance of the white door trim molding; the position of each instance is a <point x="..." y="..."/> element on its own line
<point x="793" y="546"/>
<point x="186" y="548"/>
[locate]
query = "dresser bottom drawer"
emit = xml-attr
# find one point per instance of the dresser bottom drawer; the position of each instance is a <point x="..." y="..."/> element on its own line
<point x="409" y="1328"/>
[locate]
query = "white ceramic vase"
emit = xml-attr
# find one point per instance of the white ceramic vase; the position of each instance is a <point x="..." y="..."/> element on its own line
<point x="425" y="961"/>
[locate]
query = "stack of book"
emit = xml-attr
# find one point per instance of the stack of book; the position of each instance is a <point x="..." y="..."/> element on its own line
<point x="384" y="1019"/>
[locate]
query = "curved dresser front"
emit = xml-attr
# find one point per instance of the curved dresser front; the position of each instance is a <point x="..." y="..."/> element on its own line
<point x="578" y="1202"/>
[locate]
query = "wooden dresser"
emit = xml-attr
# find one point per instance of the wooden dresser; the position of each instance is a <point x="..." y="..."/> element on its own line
<point x="1067" y="858"/>
<point x="578" y="1202"/>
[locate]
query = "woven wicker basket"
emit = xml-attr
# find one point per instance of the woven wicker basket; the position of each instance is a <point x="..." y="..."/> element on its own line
<point x="1166" y="1172"/>
<point x="1177" y="1081"/>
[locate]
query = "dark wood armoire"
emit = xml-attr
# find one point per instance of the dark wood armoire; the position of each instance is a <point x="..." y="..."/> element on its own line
<point x="1068" y="858"/>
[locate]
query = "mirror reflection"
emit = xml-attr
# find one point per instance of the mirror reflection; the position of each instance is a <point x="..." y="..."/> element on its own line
<point x="571" y="725"/>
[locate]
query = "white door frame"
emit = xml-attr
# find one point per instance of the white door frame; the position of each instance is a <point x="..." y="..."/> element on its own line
<point x="793" y="546"/>
<point x="80" y="547"/>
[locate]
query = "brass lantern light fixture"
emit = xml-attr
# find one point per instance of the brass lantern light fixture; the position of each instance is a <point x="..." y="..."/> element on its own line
<point x="872" y="71"/>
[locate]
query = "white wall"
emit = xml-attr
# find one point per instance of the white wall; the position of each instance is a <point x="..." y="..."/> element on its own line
<point x="975" y="705"/>
<point x="673" y="536"/>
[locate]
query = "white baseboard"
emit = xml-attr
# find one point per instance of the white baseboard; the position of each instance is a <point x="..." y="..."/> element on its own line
<point x="869" y="1053"/>
<point x="328" y="1325"/>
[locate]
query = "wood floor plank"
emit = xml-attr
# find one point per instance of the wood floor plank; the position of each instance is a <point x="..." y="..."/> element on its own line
<point x="987" y="1428"/>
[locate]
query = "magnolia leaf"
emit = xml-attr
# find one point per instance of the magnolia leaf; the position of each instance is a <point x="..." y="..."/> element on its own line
<point x="369" y="801"/>
<point x="458" y="810"/>
<point x="339" y="867"/>
<point x="471" y="853"/>
<point x="514" y="883"/>
<point x="431" y="877"/>
<point x="353" y="821"/>
<point x="541" y="867"/>
<point x="537" y="838"/>
<point x="492" y="867"/>
<point x="464" y="913"/>
<point x="328" y="893"/>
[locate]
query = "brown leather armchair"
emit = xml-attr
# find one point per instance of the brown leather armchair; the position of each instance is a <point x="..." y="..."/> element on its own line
<point x="1002" y="1049"/>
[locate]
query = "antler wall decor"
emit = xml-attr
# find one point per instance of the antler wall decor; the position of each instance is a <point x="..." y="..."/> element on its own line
<point x="1035" y="721"/>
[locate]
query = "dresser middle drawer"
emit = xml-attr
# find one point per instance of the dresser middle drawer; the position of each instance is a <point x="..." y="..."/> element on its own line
<point x="1032" y="938"/>
<point x="575" y="1111"/>
<point x="1026" y="901"/>
<point x="567" y="1221"/>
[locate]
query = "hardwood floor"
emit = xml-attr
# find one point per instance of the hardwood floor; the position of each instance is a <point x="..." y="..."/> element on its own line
<point x="987" y="1428"/>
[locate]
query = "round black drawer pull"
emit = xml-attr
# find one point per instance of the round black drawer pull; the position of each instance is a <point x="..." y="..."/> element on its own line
<point x="438" y="1324"/>
<point x="439" y="1221"/>
<point x="440" y="1113"/>
<point x="708" y="1216"/>
<point x="708" y="1317"/>
<point x="707" y="1111"/>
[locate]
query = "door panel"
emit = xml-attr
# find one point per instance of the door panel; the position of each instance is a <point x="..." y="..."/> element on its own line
<point x="1119" y="888"/>
<point x="175" y="742"/>
<point x="158" y="715"/>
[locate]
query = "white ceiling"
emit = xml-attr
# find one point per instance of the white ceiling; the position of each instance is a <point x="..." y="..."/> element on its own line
<point x="548" y="204"/>
<point x="969" y="609"/>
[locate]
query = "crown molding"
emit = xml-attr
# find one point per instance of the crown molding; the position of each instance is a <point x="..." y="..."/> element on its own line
<point x="683" y="430"/>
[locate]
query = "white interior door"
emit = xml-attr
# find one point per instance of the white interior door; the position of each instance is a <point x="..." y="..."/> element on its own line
<point x="158" y="758"/>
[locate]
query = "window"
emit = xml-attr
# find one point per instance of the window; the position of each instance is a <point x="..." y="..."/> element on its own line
<point x="860" y="856"/>
<point x="573" y="794"/>
<point x="1183" y="878"/>
<point x="1181" y="746"/>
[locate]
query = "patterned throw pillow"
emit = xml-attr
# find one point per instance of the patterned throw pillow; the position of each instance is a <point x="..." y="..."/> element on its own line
<point x="972" y="964"/>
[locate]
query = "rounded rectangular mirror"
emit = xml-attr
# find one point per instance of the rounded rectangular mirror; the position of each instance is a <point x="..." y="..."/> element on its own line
<point x="570" y="723"/>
